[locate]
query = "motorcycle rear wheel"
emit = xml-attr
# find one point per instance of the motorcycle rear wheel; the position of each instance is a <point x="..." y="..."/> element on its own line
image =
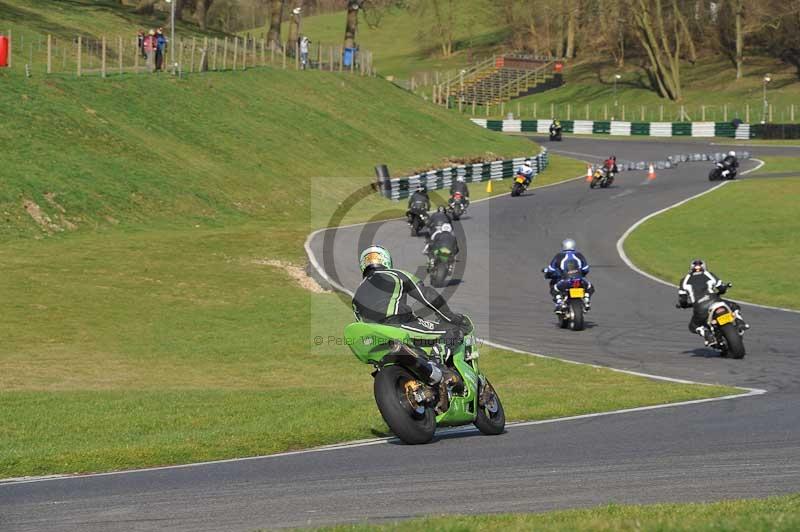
<point x="734" y="341"/>
<point x="516" y="190"/>
<point x="439" y="274"/>
<point x="576" y="323"/>
<point x="403" y="417"/>
<point x="490" y="418"/>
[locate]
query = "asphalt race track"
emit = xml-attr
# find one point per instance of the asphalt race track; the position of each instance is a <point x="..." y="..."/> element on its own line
<point x="746" y="447"/>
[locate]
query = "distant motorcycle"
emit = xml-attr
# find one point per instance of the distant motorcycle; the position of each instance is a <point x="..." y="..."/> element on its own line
<point x="726" y="326"/>
<point x="555" y="133"/>
<point x="720" y="171"/>
<point x="602" y="178"/>
<point x="457" y="205"/>
<point x="520" y="185"/>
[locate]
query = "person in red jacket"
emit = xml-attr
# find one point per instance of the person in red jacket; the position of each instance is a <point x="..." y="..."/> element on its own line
<point x="150" y="45"/>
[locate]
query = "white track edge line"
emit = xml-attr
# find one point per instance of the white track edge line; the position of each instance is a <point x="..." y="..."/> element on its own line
<point x="629" y="263"/>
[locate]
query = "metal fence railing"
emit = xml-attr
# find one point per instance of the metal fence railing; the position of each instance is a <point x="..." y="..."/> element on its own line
<point x="85" y="55"/>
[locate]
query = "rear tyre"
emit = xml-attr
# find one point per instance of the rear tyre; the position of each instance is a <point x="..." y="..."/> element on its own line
<point x="516" y="190"/>
<point x="439" y="274"/>
<point x="491" y="418"/>
<point x="416" y="225"/>
<point x="410" y="422"/>
<point x="593" y="183"/>
<point x="576" y="324"/>
<point x="734" y="341"/>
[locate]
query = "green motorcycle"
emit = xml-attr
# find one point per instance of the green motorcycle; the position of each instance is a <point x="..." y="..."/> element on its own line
<point x="411" y="407"/>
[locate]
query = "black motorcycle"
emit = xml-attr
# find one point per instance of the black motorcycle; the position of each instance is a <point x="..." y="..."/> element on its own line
<point x="555" y="133"/>
<point x="417" y="219"/>
<point x="457" y="205"/>
<point x="726" y="325"/>
<point x="601" y="178"/>
<point x="720" y="172"/>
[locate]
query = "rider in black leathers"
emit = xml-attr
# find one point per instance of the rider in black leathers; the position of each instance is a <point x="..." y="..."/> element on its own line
<point x="438" y="219"/>
<point x="694" y="292"/>
<point x="419" y="200"/>
<point x="382" y="298"/>
<point x="731" y="164"/>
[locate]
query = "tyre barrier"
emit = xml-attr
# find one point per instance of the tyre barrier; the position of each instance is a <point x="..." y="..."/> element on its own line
<point x="674" y="160"/>
<point x="646" y="129"/>
<point x="400" y="187"/>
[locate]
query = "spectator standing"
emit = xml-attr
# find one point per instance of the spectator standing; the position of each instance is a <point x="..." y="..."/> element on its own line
<point x="149" y="44"/>
<point x="304" y="44"/>
<point x="161" y="47"/>
<point x="140" y="43"/>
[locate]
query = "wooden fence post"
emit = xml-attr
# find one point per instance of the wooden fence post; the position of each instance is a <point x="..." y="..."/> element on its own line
<point x="225" y="54"/>
<point x="10" y="44"/>
<point x="296" y="54"/>
<point x="725" y="112"/>
<point x="194" y="44"/>
<point x="235" y="52"/>
<point x="119" y="53"/>
<point x="49" y="54"/>
<point x="263" y="51"/>
<point x="136" y="53"/>
<point x="214" y="62"/>
<point x="661" y="113"/>
<point x="642" y="117"/>
<point x="605" y="111"/>
<point x="747" y="113"/>
<point x="587" y="111"/>
<point x="80" y="54"/>
<point x="341" y="58"/>
<point x="284" y="59"/>
<point x="103" y="57"/>
<point x="272" y="52"/>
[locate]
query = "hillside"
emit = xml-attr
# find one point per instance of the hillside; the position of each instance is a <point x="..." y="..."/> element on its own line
<point x="403" y="48"/>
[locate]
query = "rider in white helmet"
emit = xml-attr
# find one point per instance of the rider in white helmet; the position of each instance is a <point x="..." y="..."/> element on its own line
<point x="382" y="298"/>
<point x="526" y="171"/>
<point x="730" y="164"/>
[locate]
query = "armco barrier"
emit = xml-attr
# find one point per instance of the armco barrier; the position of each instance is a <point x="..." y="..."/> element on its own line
<point x="652" y="129"/>
<point x="401" y="187"/>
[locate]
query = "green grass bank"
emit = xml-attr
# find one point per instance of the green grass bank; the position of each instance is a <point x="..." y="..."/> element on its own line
<point x="759" y="515"/>
<point x="763" y="224"/>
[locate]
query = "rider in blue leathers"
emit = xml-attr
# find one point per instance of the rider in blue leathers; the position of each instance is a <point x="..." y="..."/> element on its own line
<point x="567" y="263"/>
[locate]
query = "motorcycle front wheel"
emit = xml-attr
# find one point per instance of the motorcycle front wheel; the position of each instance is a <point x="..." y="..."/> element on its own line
<point x="490" y="418"/>
<point x="411" y="422"/>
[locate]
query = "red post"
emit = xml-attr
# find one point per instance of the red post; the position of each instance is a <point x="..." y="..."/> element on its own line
<point x="3" y="51"/>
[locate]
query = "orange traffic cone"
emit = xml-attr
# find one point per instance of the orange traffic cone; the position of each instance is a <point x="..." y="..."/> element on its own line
<point x="589" y="173"/>
<point x="651" y="173"/>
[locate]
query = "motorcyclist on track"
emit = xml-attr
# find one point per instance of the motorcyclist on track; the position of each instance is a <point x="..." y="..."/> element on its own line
<point x="382" y="298"/>
<point x="610" y="165"/>
<point x="566" y="264"/>
<point x="419" y="200"/>
<point x="555" y="129"/>
<point x="730" y="165"/>
<point x="526" y="171"/>
<point x="443" y="238"/>
<point x="437" y="219"/>
<point x="694" y="292"/>
<point x="460" y="186"/>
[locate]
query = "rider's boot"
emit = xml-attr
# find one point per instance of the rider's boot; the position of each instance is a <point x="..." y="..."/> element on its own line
<point x="559" y="301"/>
<point x="708" y="337"/>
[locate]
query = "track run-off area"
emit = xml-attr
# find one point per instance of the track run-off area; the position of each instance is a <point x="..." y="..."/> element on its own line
<point x="703" y="451"/>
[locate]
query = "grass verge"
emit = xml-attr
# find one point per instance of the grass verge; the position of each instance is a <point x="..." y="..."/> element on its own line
<point x="762" y="224"/>
<point x="772" y="514"/>
<point x="774" y="165"/>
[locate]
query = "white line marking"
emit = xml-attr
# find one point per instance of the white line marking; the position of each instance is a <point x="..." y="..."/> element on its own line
<point x="631" y="229"/>
<point x="576" y="153"/>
